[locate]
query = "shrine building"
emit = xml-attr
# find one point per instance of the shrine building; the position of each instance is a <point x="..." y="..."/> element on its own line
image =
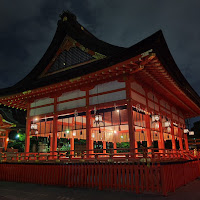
<point x="84" y="88"/>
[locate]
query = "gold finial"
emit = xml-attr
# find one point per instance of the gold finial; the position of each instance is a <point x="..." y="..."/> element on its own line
<point x="64" y="18"/>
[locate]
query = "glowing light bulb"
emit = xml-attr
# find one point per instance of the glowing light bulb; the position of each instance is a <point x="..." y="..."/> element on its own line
<point x="115" y="131"/>
<point x="117" y="110"/>
<point x="67" y="131"/>
<point x="36" y="119"/>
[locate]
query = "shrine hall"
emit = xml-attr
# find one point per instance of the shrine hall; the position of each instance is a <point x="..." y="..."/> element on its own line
<point x="85" y="89"/>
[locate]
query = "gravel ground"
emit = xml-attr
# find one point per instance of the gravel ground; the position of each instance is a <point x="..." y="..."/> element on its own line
<point x="20" y="191"/>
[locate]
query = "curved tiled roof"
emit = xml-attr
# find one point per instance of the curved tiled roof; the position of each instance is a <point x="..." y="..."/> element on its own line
<point x="68" y="26"/>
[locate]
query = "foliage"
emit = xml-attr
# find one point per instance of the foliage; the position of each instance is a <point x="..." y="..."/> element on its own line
<point x="22" y="137"/>
<point x="123" y="145"/>
<point x="65" y="148"/>
<point x="77" y="141"/>
<point x="18" y="143"/>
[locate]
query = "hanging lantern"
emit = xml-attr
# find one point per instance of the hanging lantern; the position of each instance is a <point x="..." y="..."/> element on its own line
<point x="175" y="124"/>
<point x="155" y="118"/>
<point x="185" y="131"/>
<point x="167" y="124"/>
<point x="168" y="129"/>
<point x="34" y="126"/>
<point x="74" y="133"/>
<point x="98" y="119"/>
<point x="157" y="126"/>
<point x="34" y="129"/>
<point x="191" y="132"/>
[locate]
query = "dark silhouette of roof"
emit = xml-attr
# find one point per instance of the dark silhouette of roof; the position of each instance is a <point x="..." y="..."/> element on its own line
<point x="14" y="116"/>
<point x="68" y="26"/>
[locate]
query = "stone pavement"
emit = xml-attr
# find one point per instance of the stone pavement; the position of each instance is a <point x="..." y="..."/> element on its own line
<point x="20" y="191"/>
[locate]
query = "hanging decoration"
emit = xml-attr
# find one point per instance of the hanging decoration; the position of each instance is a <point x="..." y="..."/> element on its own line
<point x="62" y="129"/>
<point x="167" y="124"/>
<point x="191" y="132"/>
<point x="185" y="131"/>
<point x="34" y="126"/>
<point x="75" y="115"/>
<point x="45" y="129"/>
<point x="34" y="129"/>
<point x="98" y="119"/>
<point x="155" y="118"/>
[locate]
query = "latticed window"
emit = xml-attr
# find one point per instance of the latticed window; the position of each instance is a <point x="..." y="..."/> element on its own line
<point x="70" y="58"/>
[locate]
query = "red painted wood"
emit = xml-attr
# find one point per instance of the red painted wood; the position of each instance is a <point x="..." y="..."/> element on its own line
<point x="173" y="137"/>
<point x="142" y="177"/>
<point x="137" y="183"/>
<point x="146" y="174"/>
<point x="130" y="117"/>
<point x="148" y="131"/>
<point x="89" y="141"/>
<point x="100" y="176"/>
<point x="165" y="178"/>
<point x="180" y="138"/>
<point x="186" y="142"/>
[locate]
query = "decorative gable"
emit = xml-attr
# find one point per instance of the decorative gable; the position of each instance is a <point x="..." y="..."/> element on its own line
<point x="72" y="54"/>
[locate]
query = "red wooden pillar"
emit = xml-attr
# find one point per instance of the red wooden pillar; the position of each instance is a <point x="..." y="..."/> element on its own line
<point x="55" y="127"/>
<point x="173" y="137"/>
<point x="186" y="142"/>
<point x="28" y="127"/>
<point x="104" y="147"/>
<point x="89" y="141"/>
<point x="55" y="133"/>
<point x="180" y="138"/>
<point x="51" y="143"/>
<point x="161" y="142"/>
<point x="148" y="130"/>
<point x="115" y="147"/>
<point x="136" y="147"/>
<point x="130" y="117"/>
<point x="6" y="140"/>
<point x="72" y="146"/>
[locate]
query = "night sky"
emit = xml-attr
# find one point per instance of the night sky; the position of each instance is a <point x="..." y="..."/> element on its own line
<point x="27" y="28"/>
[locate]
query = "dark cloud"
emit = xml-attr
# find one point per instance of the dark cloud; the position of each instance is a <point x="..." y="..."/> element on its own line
<point x="27" y="28"/>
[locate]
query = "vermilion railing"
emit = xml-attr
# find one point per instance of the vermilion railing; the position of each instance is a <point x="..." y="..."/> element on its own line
<point x="140" y="154"/>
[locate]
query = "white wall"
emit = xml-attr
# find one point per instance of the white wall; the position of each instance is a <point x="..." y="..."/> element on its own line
<point x="41" y="102"/>
<point x="42" y="110"/>
<point x="113" y="85"/>
<point x="114" y="96"/>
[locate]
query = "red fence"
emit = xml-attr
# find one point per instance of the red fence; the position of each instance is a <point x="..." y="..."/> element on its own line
<point x="155" y="155"/>
<point x="137" y="177"/>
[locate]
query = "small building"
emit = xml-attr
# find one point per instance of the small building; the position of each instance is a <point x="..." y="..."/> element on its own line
<point x="8" y="123"/>
<point x="84" y="88"/>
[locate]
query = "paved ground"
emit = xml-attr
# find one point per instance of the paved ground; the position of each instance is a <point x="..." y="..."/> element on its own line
<point x="19" y="191"/>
